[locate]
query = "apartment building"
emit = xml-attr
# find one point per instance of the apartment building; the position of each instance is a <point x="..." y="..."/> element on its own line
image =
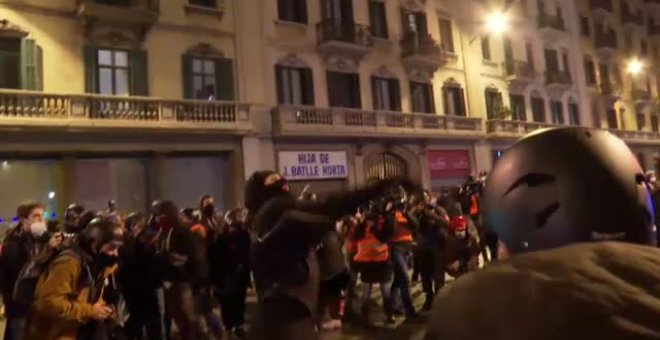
<point x="131" y="100"/>
<point x="620" y="46"/>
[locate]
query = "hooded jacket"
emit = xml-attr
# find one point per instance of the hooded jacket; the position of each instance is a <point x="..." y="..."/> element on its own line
<point x="604" y="291"/>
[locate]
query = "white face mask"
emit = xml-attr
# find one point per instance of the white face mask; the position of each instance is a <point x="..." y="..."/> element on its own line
<point x="460" y="234"/>
<point x="37" y="229"/>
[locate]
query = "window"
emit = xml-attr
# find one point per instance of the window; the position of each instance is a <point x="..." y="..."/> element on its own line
<point x="573" y="114"/>
<point x="551" y="60"/>
<point x="644" y="47"/>
<point x="20" y="64"/>
<point x="10" y="63"/>
<point x="414" y="22"/>
<point x="590" y="71"/>
<point x="538" y="109"/>
<point x="641" y="121"/>
<point x="585" y="27"/>
<point x="493" y="103"/>
<point x="113" y="72"/>
<point x="612" y="119"/>
<point x="654" y="123"/>
<point x="204" y="3"/>
<point x="454" y="100"/>
<point x="292" y="10"/>
<point x="529" y="50"/>
<point x="446" y="35"/>
<point x="208" y="78"/>
<point x="378" y="19"/>
<point x="295" y="86"/>
<point x="115" y="2"/>
<point x="485" y="48"/>
<point x="518" y="110"/>
<point x="557" y="112"/>
<point x="422" y="97"/>
<point x="386" y="94"/>
<point x="616" y="72"/>
<point x="567" y="65"/>
<point x="344" y="90"/>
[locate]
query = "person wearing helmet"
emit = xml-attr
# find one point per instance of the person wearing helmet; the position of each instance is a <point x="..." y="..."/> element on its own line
<point x="72" y="216"/>
<point x="72" y="296"/>
<point x="574" y="216"/>
<point x="285" y="261"/>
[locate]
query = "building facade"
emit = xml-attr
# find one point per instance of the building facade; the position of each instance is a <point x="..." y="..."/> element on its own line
<point x="135" y="100"/>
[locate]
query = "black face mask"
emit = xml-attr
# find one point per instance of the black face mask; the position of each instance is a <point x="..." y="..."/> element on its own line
<point x="277" y="188"/>
<point x="105" y="261"/>
<point x="208" y="210"/>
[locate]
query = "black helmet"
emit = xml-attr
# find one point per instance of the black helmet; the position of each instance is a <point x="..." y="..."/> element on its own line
<point x="560" y="186"/>
<point x="167" y="210"/>
<point x="133" y="219"/>
<point x="100" y="230"/>
<point x="73" y="211"/>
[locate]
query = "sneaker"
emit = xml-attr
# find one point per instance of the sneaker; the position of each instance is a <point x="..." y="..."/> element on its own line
<point x="331" y="325"/>
<point x="427" y="305"/>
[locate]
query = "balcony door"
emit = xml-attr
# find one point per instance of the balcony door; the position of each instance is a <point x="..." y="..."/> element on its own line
<point x="551" y="60"/>
<point x="338" y="10"/>
<point x="344" y="90"/>
<point x="508" y="50"/>
<point x="604" y="76"/>
<point x="414" y="22"/>
<point x="10" y="63"/>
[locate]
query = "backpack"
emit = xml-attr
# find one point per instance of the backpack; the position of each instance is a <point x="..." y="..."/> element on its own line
<point x="26" y="283"/>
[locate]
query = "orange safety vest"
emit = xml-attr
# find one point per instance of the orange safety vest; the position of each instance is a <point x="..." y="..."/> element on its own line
<point x="402" y="233"/>
<point x="370" y="249"/>
<point x="474" y="208"/>
<point x="351" y="245"/>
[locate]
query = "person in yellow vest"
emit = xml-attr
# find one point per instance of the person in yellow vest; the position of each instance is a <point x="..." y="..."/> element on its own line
<point x="372" y="261"/>
<point x="400" y="251"/>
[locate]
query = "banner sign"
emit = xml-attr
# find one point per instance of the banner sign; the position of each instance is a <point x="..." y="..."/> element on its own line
<point x="449" y="163"/>
<point x="311" y="165"/>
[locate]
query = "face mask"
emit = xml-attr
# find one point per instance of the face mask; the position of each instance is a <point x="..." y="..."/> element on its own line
<point x="208" y="210"/>
<point x="37" y="229"/>
<point x="104" y="260"/>
<point x="279" y="185"/>
<point x="460" y="234"/>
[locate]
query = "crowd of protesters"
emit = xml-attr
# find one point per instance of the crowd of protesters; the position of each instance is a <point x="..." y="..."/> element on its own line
<point x="108" y="275"/>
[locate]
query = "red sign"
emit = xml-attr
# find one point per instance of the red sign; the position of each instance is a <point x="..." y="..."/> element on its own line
<point x="449" y="163"/>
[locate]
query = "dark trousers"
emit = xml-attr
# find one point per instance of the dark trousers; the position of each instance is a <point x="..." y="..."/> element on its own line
<point x="401" y="284"/>
<point x="233" y="300"/>
<point x="432" y="281"/>
<point x="147" y="312"/>
<point x="180" y="303"/>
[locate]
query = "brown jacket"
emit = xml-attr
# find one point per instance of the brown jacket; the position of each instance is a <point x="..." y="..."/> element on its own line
<point x="59" y="306"/>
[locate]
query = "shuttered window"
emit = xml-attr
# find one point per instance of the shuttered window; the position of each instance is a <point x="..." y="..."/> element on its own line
<point x="454" y="100"/>
<point x="344" y="90"/>
<point x="378" y="19"/>
<point x="386" y="94"/>
<point x="292" y="10"/>
<point x="422" y="97"/>
<point x="557" y="112"/>
<point x="21" y="63"/>
<point x="204" y="3"/>
<point x="573" y="114"/>
<point x="116" y="71"/>
<point x="518" y="109"/>
<point x="208" y="78"/>
<point x="538" y="109"/>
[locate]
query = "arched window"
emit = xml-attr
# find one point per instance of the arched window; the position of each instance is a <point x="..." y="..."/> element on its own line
<point x="384" y="166"/>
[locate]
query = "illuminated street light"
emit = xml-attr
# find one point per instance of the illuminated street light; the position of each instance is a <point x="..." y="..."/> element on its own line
<point x="497" y="23"/>
<point x="51" y="195"/>
<point x="635" y="66"/>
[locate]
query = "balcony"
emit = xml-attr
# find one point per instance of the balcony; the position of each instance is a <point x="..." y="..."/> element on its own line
<point x="606" y="44"/>
<point x="637" y="137"/>
<point x="558" y="80"/>
<point x="422" y="52"/>
<point x="138" y="15"/>
<point x="518" y="73"/>
<point x="632" y="19"/>
<point x="610" y="89"/>
<point x="356" y="123"/>
<point x="641" y="96"/>
<point x="512" y="128"/>
<point x="96" y="112"/>
<point x="552" y="27"/>
<point x="601" y="8"/>
<point x="340" y="38"/>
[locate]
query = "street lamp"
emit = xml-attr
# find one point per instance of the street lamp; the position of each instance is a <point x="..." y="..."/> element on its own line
<point x="497" y="23"/>
<point x="635" y="66"/>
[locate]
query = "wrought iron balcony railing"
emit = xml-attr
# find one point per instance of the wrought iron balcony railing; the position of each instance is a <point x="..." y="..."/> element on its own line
<point x="551" y="21"/>
<point x="558" y="77"/>
<point x="420" y="44"/>
<point x="606" y="40"/>
<point x="518" y="68"/>
<point x="336" y="30"/>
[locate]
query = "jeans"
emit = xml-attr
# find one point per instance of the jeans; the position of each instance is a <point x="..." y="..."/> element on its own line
<point x="401" y="284"/>
<point x="14" y="328"/>
<point x="384" y="292"/>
